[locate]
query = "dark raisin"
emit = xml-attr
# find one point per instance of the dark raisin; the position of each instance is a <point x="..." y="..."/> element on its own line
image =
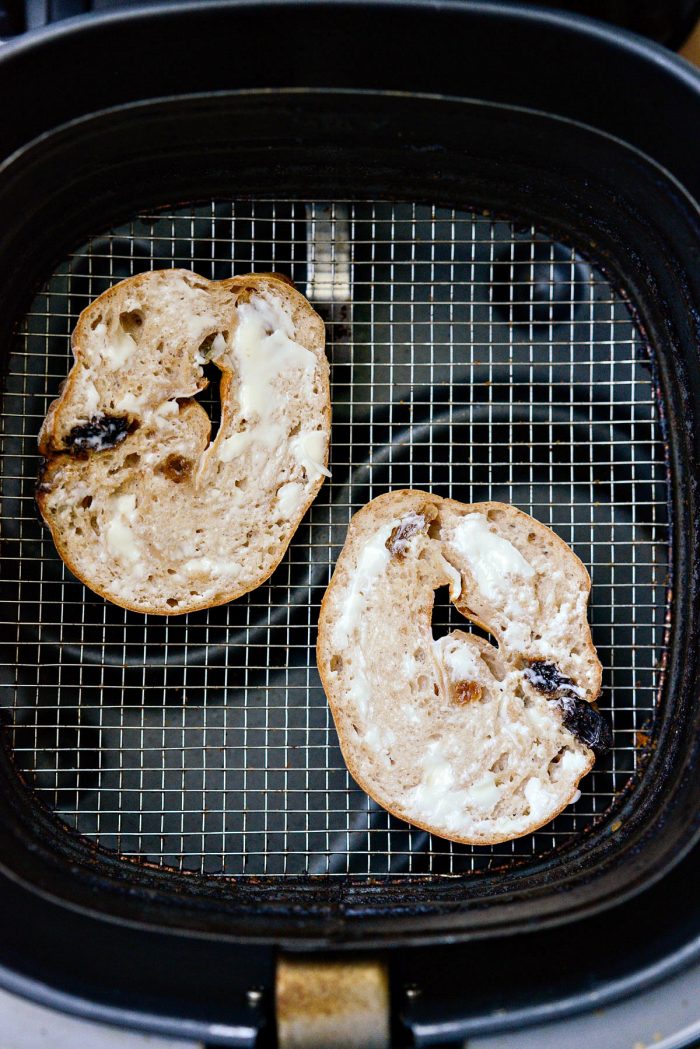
<point x="103" y="431"/>
<point x="579" y="717"/>
<point x="586" y="723"/>
<point x="546" y="677"/>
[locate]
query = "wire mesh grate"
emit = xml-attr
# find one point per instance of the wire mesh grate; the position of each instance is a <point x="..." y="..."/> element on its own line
<point x="468" y="356"/>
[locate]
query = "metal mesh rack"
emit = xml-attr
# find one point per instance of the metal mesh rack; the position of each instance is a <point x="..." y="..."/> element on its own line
<point x="468" y="356"/>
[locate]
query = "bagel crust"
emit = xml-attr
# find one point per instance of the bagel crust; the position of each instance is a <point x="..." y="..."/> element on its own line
<point x="476" y="742"/>
<point x="144" y="505"/>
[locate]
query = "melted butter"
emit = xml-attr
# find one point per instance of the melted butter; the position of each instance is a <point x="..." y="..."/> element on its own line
<point x="541" y="801"/>
<point x="309" y="450"/>
<point x="263" y="354"/>
<point x="120" y="537"/>
<point x="371" y="562"/>
<point x="262" y="350"/>
<point x="492" y="560"/>
<point x="117" y="349"/>
<point x="460" y="659"/>
<point x="484" y="795"/>
<point x="129" y="403"/>
<point x="290" y="497"/>
<point x="233" y="446"/>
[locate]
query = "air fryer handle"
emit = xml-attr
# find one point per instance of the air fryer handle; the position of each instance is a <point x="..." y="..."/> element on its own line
<point x="319" y="1002"/>
<point x="330" y="1004"/>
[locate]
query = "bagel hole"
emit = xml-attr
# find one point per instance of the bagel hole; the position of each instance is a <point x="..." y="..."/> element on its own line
<point x="97" y="320"/>
<point x="336" y="663"/>
<point x="172" y="602"/>
<point x="447" y="617"/>
<point x="210" y="397"/>
<point x="132" y="459"/>
<point x="86" y="502"/>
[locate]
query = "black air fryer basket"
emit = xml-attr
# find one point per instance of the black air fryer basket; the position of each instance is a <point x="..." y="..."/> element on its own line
<point x="495" y="211"/>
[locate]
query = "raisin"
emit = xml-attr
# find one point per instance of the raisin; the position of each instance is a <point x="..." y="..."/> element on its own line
<point x="467" y="691"/>
<point x="176" y="468"/>
<point x="586" y="723"/>
<point x="579" y="717"/>
<point x="410" y="525"/>
<point x="546" y="677"/>
<point x="103" y="431"/>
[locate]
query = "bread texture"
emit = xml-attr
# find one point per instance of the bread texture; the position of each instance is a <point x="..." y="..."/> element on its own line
<point x="476" y="742"/>
<point x="143" y="505"/>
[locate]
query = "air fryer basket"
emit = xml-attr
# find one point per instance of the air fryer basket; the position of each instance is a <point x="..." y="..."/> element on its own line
<point x="468" y="358"/>
<point x="512" y="308"/>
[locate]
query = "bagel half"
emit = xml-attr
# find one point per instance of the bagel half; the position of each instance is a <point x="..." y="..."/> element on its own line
<point x="474" y="742"/>
<point x="143" y="506"/>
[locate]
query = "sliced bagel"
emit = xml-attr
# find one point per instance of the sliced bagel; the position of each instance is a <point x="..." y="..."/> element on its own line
<point x="143" y="506"/>
<point x="476" y="742"/>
